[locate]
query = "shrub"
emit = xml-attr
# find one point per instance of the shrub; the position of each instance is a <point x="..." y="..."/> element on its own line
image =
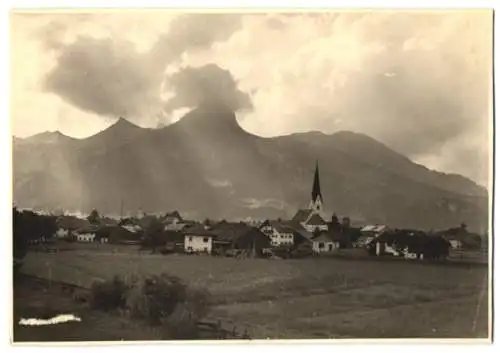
<point x="156" y="298"/>
<point x="108" y="295"/>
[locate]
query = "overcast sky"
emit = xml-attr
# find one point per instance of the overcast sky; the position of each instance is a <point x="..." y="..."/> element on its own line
<point x="419" y="82"/>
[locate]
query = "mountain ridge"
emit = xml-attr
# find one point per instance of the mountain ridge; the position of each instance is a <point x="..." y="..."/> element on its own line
<point x="207" y="164"/>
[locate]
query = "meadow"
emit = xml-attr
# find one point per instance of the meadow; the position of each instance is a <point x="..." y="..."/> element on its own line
<point x="303" y="298"/>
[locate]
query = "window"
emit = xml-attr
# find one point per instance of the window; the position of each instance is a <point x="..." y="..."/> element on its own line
<point x="321" y="245"/>
<point x="190" y="238"/>
<point x="205" y="240"/>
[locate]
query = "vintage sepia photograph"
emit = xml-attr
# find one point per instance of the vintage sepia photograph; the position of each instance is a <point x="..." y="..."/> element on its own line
<point x="182" y="175"/>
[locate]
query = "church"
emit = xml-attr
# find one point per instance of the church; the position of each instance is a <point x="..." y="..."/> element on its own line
<point x="312" y="218"/>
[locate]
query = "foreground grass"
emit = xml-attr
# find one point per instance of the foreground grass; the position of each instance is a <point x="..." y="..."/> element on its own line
<point x="40" y="299"/>
<point x="307" y="298"/>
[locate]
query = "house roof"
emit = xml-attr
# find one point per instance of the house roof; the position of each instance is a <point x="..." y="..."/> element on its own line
<point x="326" y="236"/>
<point x="230" y="231"/>
<point x="91" y="228"/>
<point x="364" y="239"/>
<point x="298" y="229"/>
<point x="108" y="221"/>
<point x="374" y="228"/>
<point x="281" y="226"/>
<point x="301" y="215"/>
<point x="316" y="220"/>
<point x="121" y="233"/>
<point x="199" y="230"/>
<point x="173" y="214"/>
<point x="72" y="222"/>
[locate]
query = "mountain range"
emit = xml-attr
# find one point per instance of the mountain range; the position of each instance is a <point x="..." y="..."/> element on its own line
<point x="206" y="165"/>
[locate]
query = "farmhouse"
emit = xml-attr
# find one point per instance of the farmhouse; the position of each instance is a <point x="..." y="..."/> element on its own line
<point x="66" y="225"/>
<point x="374" y="230"/>
<point x="240" y="236"/>
<point x="118" y="235"/>
<point x="278" y="232"/>
<point x="326" y="241"/>
<point x="87" y="234"/>
<point x="173" y="221"/>
<point x="130" y="224"/>
<point x="199" y="239"/>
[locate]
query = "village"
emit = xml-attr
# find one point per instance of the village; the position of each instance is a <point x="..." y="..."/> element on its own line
<point x="309" y="233"/>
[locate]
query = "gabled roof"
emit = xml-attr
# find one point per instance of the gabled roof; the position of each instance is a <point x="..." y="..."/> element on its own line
<point x="302" y="215"/>
<point x="229" y="231"/>
<point x="364" y="239"/>
<point x="327" y="237"/>
<point x="91" y="228"/>
<point x="71" y="222"/>
<point x="199" y="230"/>
<point x="281" y="227"/>
<point x="374" y="228"/>
<point x="316" y="220"/>
<point x="173" y="214"/>
<point x="298" y="229"/>
<point x="106" y="221"/>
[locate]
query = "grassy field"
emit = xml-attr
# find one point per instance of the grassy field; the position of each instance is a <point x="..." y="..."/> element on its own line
<point x="306" y="298"/>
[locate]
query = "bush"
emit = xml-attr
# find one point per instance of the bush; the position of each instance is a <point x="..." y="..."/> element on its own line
<point x="108" y="295"/>
<point x="156" y="298"/>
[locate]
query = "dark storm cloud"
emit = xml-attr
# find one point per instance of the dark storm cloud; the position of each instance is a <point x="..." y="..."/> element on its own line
<point x="194" y="86"/>
<point x="107" y="76"/>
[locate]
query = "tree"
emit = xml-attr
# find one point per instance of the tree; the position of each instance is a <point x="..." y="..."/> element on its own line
<point x="28" y="225"/>
<point x="94" y="217"/>
<point x="154" y="235"/>
<point x="20" y="240"/>
<point x="346" y="223"/>
<point x="316" y="232"/>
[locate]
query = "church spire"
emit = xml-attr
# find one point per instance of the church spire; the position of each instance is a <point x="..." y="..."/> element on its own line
<point x="316" y="190"/>
<point x="316" y="197"/>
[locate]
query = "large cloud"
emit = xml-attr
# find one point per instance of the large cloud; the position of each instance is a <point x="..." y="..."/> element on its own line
<point x="194" y="86"/>
<point x="417" y="81"/>
<point x="110" y="77"/>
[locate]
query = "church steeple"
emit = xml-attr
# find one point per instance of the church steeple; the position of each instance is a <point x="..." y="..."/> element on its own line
<point x="316" y="197"/>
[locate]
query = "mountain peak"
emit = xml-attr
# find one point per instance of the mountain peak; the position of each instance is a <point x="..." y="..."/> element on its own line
<point x="210" y="117"/>
<point x="124" y="123"/>
<point x="44" y="137"/>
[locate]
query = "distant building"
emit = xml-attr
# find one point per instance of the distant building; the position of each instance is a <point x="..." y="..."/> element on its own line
<point x="278" y="232"/>
<point x="173" y="221"/>
<point x="86" y="234"/>
<point x="66" y="225"/>
<point x="199" y="239"/>
<point x="239" y="236"/>
<point x="374" y="230"/>
<point x="311" y="218"/>
<point x="326" y="241"/>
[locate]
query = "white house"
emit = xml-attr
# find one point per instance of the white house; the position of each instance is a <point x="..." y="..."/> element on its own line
<point x="279" y="234"/>
<point x="199" y="239"/>
<point x="326" y="242"/>
<point x="374" y="230"/>
<point x="85" y="237"/>
<point x="198" y="243"/>
<point x="62" y="233"/>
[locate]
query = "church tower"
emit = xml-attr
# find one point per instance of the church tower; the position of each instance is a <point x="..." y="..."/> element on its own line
<point x="316" y="199"/>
